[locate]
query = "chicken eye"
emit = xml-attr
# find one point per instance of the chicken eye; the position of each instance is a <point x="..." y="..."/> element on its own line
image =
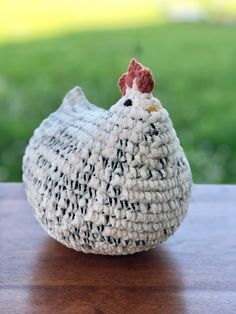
<point x="128" y="102"/>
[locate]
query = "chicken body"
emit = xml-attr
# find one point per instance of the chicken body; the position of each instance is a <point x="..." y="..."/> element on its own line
<point x="108" y="182"/>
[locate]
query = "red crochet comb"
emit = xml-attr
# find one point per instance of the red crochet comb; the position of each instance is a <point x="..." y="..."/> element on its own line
<point x="144" y="79"/>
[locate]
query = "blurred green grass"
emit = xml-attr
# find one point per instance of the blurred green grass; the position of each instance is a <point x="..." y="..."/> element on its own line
<point x="195" y="70"/>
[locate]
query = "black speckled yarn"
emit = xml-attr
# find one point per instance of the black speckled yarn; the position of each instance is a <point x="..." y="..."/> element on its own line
<point x="107" y="182"/>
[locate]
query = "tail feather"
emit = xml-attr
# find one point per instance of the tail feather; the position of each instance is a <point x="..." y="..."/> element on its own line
<point x="77" y="97"/>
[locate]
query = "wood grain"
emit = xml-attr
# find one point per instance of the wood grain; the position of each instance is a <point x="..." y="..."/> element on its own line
<point x="193" y="272"/>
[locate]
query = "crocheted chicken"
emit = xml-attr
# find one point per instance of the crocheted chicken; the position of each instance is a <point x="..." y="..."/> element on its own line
<point x="109" y="181"/>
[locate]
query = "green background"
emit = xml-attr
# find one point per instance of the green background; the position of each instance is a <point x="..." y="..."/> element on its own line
<point x="195" y="70"/>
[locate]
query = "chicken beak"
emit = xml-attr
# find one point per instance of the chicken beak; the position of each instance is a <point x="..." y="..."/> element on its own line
<point x="153" y="108"/>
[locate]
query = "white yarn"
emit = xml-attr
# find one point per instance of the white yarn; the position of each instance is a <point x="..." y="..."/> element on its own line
<point x="107" y="182"/>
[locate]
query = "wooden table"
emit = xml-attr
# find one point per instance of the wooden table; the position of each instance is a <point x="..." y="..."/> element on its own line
<point x="193" y="272"/>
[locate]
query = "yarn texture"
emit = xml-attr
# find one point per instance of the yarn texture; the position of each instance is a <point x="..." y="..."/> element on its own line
<point x="109" y="181"/>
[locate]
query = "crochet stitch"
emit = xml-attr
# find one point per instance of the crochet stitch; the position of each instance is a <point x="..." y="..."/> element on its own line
<point x="109" y="181"/>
